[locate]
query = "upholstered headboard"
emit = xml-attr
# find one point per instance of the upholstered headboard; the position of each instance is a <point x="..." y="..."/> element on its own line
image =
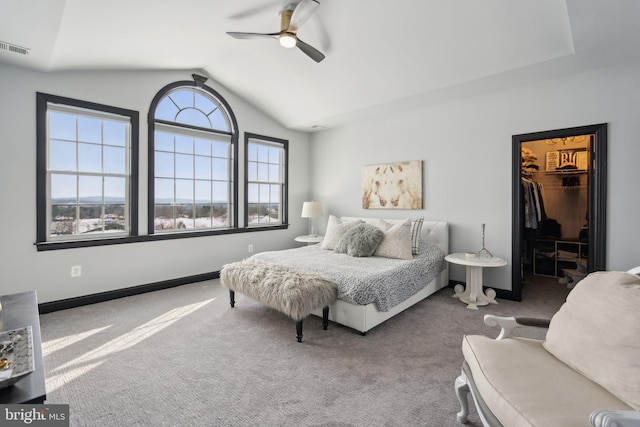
<point x="436" y="232"/>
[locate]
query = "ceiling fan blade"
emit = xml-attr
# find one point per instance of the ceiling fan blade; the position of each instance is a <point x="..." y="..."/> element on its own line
<point x="256" y="10"/>
<point x="301" y="13"/>
<point x="310" y="51"/>
<point x="253" y="35"/>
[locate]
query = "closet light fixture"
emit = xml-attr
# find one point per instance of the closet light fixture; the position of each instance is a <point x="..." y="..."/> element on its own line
<point x="574" y="139"/>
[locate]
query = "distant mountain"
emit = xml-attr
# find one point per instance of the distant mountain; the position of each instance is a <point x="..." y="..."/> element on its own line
<point x="188" y="202"/>
<point x="93" y="200"/>
<point x="96" y="200"/>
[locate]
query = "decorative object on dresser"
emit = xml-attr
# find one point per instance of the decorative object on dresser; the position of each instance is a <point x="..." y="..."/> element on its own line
<point x="16" y="355"/>
<point x="22" y="349"/>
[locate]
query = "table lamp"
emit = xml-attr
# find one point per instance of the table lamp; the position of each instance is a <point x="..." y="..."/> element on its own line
<point x="312" y="210"/>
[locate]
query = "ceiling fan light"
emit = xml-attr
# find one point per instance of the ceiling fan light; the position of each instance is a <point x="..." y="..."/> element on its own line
<point x="287" y="40"/>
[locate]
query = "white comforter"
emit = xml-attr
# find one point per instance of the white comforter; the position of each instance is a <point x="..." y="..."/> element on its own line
<point x="364" y="280"/>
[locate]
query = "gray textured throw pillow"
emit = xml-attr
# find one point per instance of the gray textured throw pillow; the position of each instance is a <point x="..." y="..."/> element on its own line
<point x="361" y="241"/>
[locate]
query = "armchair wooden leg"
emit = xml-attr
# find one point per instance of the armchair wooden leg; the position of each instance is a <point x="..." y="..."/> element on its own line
<point x="462" y="391"/>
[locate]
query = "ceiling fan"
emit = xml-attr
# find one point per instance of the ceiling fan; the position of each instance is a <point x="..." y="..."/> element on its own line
<point x="292" y="16"/>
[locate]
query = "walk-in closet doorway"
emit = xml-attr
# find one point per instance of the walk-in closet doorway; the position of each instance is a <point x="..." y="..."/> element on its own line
<point x="559" y="204"/>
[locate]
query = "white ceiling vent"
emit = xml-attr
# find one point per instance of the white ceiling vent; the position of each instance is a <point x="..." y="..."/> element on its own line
<point x="14" y="48"/>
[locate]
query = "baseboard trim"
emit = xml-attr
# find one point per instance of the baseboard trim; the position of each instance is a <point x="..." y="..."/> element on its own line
<point x="505" y="294"/>
<point x="65" y="304"/>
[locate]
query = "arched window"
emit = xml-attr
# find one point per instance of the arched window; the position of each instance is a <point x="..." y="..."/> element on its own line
<point x="192" y="159"/>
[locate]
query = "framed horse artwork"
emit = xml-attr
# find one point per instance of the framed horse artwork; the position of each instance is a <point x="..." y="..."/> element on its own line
<point x="392" y="186"/>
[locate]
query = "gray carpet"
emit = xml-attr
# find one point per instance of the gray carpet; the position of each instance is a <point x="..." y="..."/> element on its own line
<point x="183" y="357"/>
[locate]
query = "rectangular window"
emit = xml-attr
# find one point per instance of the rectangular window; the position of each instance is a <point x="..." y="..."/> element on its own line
<point x="266" y="180"/>
<point x="193" y="178"/>
<point x="86" y="170"/>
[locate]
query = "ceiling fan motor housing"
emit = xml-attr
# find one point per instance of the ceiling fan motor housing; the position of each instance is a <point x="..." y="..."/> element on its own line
<point x="285" y="19"/>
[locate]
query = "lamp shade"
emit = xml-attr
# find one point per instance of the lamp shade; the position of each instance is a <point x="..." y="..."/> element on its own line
<point x="312" y="210"/>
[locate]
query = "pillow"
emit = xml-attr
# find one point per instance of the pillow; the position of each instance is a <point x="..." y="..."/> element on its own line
<point x="397" y="240"/>
<point x="416" y="229"/>
<point x="362" y="240"/>
<point x="336" y="228"/>
<point x="596" y="333"/>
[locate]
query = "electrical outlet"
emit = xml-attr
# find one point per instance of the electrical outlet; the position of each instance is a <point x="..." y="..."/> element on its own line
<point x="76" y="271"/>
<point x="250" y="248"/>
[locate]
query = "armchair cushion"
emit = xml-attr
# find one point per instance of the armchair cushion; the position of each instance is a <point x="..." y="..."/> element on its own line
<point x="596" y="333"/>
<point x="524" y="385"/>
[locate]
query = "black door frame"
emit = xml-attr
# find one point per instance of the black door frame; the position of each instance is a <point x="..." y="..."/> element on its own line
<point x="597" y="173"/>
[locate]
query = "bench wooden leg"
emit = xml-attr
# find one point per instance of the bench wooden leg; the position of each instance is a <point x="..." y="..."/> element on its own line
<point x="299" y="330"/>
<point x="325" y="318"/>
<point x="232" y="298"/>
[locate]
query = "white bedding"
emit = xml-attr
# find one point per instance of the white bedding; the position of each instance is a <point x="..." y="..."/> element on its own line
<point x="364" y="317"/>
<point x="363" y="280"/>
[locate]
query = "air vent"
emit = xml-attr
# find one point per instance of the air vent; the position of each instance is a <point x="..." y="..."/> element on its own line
<point x="14" y="48"/>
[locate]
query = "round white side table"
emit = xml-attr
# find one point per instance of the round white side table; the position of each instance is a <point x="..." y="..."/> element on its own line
<point x="309" y="240"/>
<point x="473" y="295"/>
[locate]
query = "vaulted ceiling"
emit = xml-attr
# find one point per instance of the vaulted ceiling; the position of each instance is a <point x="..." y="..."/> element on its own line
<point x="380" y="55"/>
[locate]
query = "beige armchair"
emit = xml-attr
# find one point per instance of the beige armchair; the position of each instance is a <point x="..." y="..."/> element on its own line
<point x="585" y="372"/>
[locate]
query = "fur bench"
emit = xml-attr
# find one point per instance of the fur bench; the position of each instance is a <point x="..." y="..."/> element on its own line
<point x="291" y="291"/>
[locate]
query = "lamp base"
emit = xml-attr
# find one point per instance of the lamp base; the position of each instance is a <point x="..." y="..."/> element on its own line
<point x="312" y="228"/>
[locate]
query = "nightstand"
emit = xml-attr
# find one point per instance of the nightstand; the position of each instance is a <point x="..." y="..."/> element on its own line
<point x="473" y="295"/>
<point x="309" y="240"/>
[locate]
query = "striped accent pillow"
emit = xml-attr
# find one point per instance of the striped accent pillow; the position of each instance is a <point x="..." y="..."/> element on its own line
<point x="416" y="229"/>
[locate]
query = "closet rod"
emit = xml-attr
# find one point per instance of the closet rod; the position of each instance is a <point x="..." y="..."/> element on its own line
<point x="563" y="187"/>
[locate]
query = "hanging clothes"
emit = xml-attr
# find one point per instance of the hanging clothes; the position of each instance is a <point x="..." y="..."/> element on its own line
<point x="540" y="193"/>
<point x="534" y="212"/>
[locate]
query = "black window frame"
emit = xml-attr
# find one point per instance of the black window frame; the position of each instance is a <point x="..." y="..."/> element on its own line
<point x="285" y="191"/>
<point x="198" y="81"/>
<point x="42" y="101"/>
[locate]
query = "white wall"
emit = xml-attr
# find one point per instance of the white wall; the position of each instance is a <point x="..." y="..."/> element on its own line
<point x="106" y="268"/>
<point x="466" y="147"/>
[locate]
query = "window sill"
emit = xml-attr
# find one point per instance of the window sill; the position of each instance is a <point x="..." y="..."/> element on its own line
<point x="71" y="244"/>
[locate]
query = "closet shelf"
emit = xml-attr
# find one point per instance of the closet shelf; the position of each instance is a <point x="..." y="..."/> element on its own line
<point x="552" y="257"/>
<point x="564" y="172"/>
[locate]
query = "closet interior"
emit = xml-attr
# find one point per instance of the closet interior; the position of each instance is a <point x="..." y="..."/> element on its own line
<point x="555" y="223"/>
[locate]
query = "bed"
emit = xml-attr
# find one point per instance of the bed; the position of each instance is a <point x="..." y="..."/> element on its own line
<point x="364" y="297"/>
